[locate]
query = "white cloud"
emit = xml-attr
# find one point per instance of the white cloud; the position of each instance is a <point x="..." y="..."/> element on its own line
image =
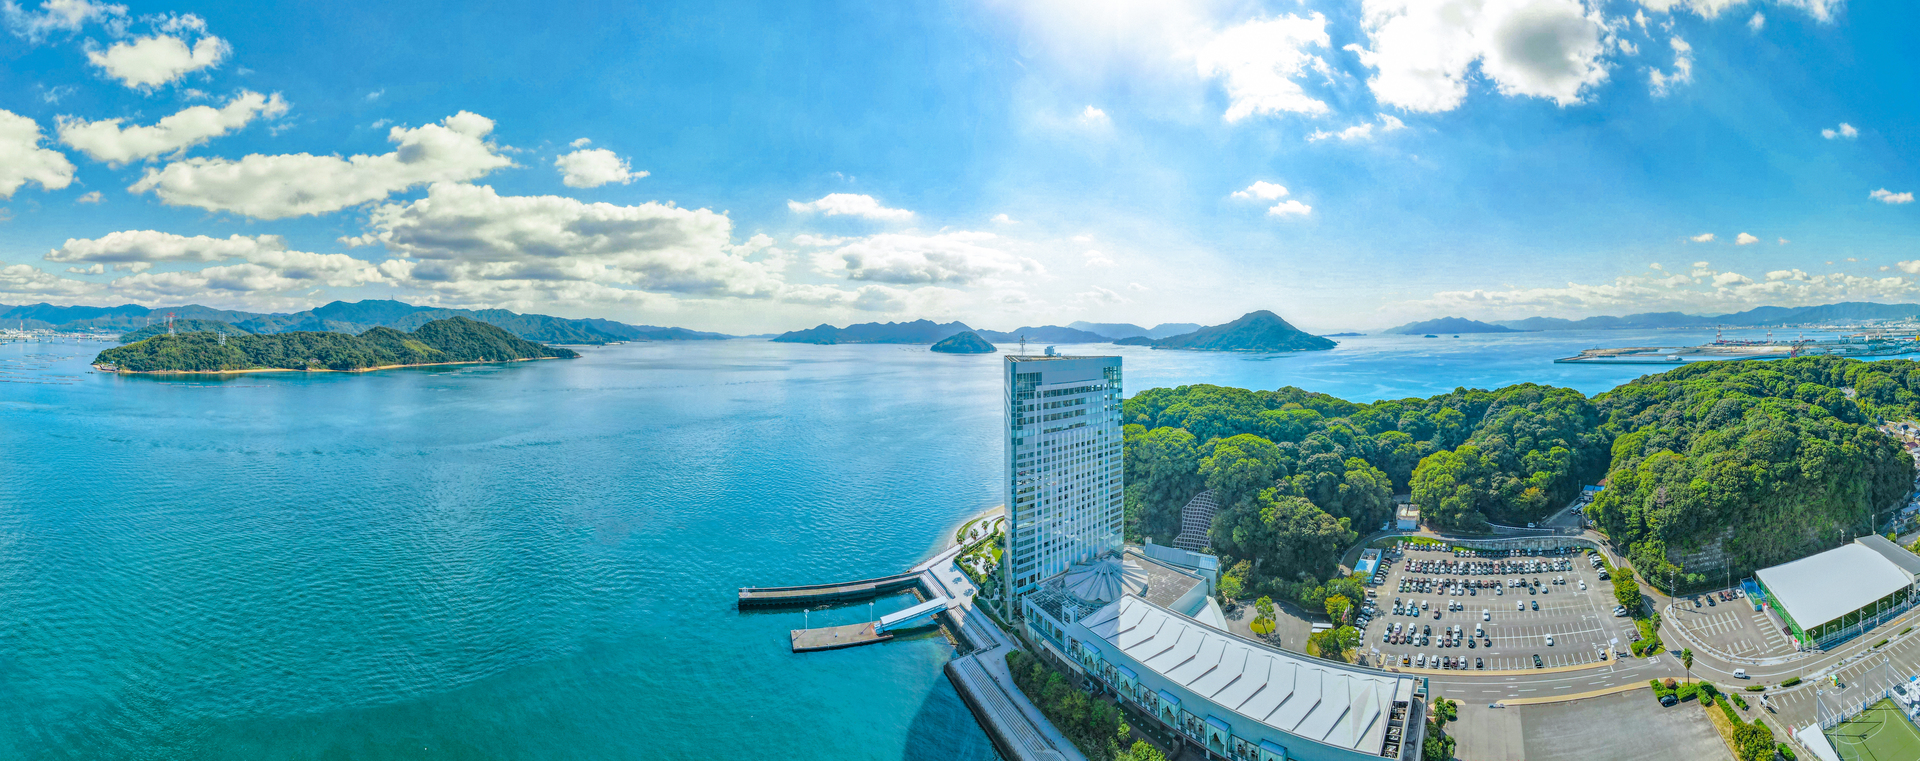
<point x="1744" y="239"/>
<point x="1698" y="265"/>
<point x="1002" y="218"/>
<point x="1260" y="61"/>
<point x="129" y="247"/>
<point x="1662" y="83"/>
<point x="1886" y="196"/>
<point x="1422" y="51"/>
<point x="1702" y="238"/>
<point x="1724" y="292"/>
<point x="58" y="16"/>
<point x="959" y="257"/>
<point x="22" y="160"/>
<point x="580" y="143"/>
<point x="1361" y="131"/>
<point x="1821" y="10"/>
<point x="107" y="141"/>
<point x="158" y="60"/>
<point x="1845" y="130"/>
<point x="468" y="240"/>
<point x="1093" y="116"/>
<point x="1793" y="274"/>
<point x="593" y="167"/>
<point x="1783" y="241"/>
<point x="1909" y="267"/>
<point x="849" y="204"/>
<point x="1289" y="209"/>
<point x="375" y="95"/>
<point x="289" y="185"/>
<point x="817" y="241"/>
<point x="96" y="269"/>
<point x="1098" y="296"/>
<point x="92" y="196"/>
<point x="1097" y="259"/>
<point x="1263" y="190"/>
<point x="1758" y="22"/>
<point x="1136" y="287"/>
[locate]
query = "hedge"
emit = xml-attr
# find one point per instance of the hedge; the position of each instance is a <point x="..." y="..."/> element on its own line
<point x="1741" y="701"/>
<point x="1877" y="645"/>
<point x="1791" y="681"/>
<point x="1757" y="688"/>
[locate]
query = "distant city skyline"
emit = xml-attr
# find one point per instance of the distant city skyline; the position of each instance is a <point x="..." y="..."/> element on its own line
<point x="755" y="168"/>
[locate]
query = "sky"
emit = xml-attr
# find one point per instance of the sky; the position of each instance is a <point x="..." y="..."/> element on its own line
<point x="753" y="167"/>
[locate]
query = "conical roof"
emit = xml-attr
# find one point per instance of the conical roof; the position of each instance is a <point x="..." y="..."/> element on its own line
<point x="1106" y="579"/>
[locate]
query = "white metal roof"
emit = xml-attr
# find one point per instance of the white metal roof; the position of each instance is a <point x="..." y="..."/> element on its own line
<point x="1820" y="588"/>
<point x="1306" y="697"/>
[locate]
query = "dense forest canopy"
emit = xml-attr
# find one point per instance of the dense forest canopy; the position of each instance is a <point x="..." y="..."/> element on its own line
<point x="1774" y="457"/>
<point x="456" y="339"/>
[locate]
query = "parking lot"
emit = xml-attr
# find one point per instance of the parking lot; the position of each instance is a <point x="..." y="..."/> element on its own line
<point x="1503" y="617"/>
<point x="1731" y="627"/>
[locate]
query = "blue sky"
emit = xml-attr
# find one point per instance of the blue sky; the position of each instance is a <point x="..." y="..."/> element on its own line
<point x="766" y="166"/>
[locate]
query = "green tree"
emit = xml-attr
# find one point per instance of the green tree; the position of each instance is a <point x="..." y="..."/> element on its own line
<point x="1231" y="587"/>
<point x="1140" y="751"/>
<point x="1627" y="592"/>
<point x="1686" y="661"/>
<point x="1337" y="608"/>
<point x="1754" y="742"/>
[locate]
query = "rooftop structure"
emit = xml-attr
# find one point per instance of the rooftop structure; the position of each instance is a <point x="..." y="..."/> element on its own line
<point x="1208" y="566"/>
<point x="1196" y="522"/>
<point x="1063" y="465"/>
<point x="1087" y="587"/>
<point x="1246" y="700"/>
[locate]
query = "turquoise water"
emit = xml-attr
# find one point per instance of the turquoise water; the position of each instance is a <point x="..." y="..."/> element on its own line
<point x="535" y="561"/>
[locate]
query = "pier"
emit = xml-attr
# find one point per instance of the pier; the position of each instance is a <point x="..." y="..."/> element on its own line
<point x="836" y="637"/>
<point x="814" y="594"/>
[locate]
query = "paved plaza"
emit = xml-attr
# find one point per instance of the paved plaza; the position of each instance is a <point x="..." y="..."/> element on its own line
<point x="1728" y="627"/>
<point x="1627" y="725"/>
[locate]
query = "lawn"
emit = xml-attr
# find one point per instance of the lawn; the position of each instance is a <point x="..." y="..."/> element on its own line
<point x="1880" y="733"/>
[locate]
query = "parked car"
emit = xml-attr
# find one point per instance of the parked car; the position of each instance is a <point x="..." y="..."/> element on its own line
<point x="1549" y="640"/>
<point x="1668" y="700"/>
<point x="1536" y="661"/>
<point x="1477" y="663"/>
<point x="1536" y="604"/>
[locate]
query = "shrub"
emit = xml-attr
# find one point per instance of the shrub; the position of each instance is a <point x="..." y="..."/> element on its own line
<point x="1786" y="752"/>
<point x="1732" y="718"/>
<point x="1881" y="642"/>
<point x="1671" y="682"/>
<point x="1791" y="681"/>
<point x="1903" y="632"/>
<point x="1742" y="702"/>
<point x="1757" y="688"/>
<point x="1687" y="691"/>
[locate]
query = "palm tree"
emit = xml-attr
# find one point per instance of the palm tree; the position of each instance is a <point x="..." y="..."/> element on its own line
<point x="1686" y="660"/>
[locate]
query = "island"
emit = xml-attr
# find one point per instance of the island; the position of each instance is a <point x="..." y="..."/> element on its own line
<point x="455" y="340"/>
<point x="1260" y="331"/>
<point x="964" y="342"/>
<point x="1450" y="325"/>
<point x="183" y="326"/>
<point x="928" y="331"/>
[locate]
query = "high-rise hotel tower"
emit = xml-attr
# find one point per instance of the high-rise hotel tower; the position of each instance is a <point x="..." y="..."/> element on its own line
<point x="1064" y="502"/>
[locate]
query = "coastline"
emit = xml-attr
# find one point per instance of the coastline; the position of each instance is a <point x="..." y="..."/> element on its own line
<point x="100" y="368"/>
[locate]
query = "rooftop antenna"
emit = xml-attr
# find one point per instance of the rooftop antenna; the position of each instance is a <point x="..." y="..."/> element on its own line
<point x="1023" y="344"/>
<point x="170" y="324"/>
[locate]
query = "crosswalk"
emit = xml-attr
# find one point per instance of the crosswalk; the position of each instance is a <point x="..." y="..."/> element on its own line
<point x="1733" y="630"/>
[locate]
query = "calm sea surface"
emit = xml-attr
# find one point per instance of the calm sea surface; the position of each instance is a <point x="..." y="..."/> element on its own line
<point x="535" y="561"/>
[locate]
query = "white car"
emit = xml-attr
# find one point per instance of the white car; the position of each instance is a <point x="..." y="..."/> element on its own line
<point x="1549" y="640"/>
<point x="1519" y="605"/>
<point x="1583" y="585"/>
<point x="1619" y="610"/>
<point x="1486" y="615"/>
<point x="1739" y="673"/>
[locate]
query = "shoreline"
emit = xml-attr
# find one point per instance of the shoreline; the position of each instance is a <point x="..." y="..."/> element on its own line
<point x="116" y="371"/>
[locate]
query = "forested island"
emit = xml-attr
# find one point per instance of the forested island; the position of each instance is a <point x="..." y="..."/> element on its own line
<point x="1770" y="460"/>
<point x="448" y="341"/>
<point x="964" y="342"/>
<point x="1260" y="331"/>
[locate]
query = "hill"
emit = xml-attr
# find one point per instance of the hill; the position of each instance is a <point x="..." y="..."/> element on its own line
<point x="1044" y="334"/>
<point x="344" y="317"/>
<point x="964" y="342"/>
<point x="916" y="332"/>
<point x="1261" y="331"/>
<point x="1130" y="330"/>
<point x="182" y="326"/>
<point x="1448" y="325"/>
<point x="1851" y="311"/>
<point x="1761" y="462"/>
<point x="456" y="339"/>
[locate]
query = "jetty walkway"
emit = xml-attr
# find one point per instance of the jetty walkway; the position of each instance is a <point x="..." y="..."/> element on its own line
<point x="979" y="674"/>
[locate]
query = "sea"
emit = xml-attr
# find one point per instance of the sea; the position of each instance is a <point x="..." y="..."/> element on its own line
<point x="537" y="560"/>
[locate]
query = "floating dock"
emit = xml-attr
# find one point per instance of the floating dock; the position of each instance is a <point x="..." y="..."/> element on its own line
<point x="836" y="637"/>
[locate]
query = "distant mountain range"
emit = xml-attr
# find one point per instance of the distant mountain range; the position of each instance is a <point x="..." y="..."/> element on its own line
<point x="928" y="331"/>
<point x="1130" y="330"/>
<point x="1452" y="325"/>
<point x="1261" y="331"/>
<point x="1851" y="311"/>
<point x="340" y="317"/>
